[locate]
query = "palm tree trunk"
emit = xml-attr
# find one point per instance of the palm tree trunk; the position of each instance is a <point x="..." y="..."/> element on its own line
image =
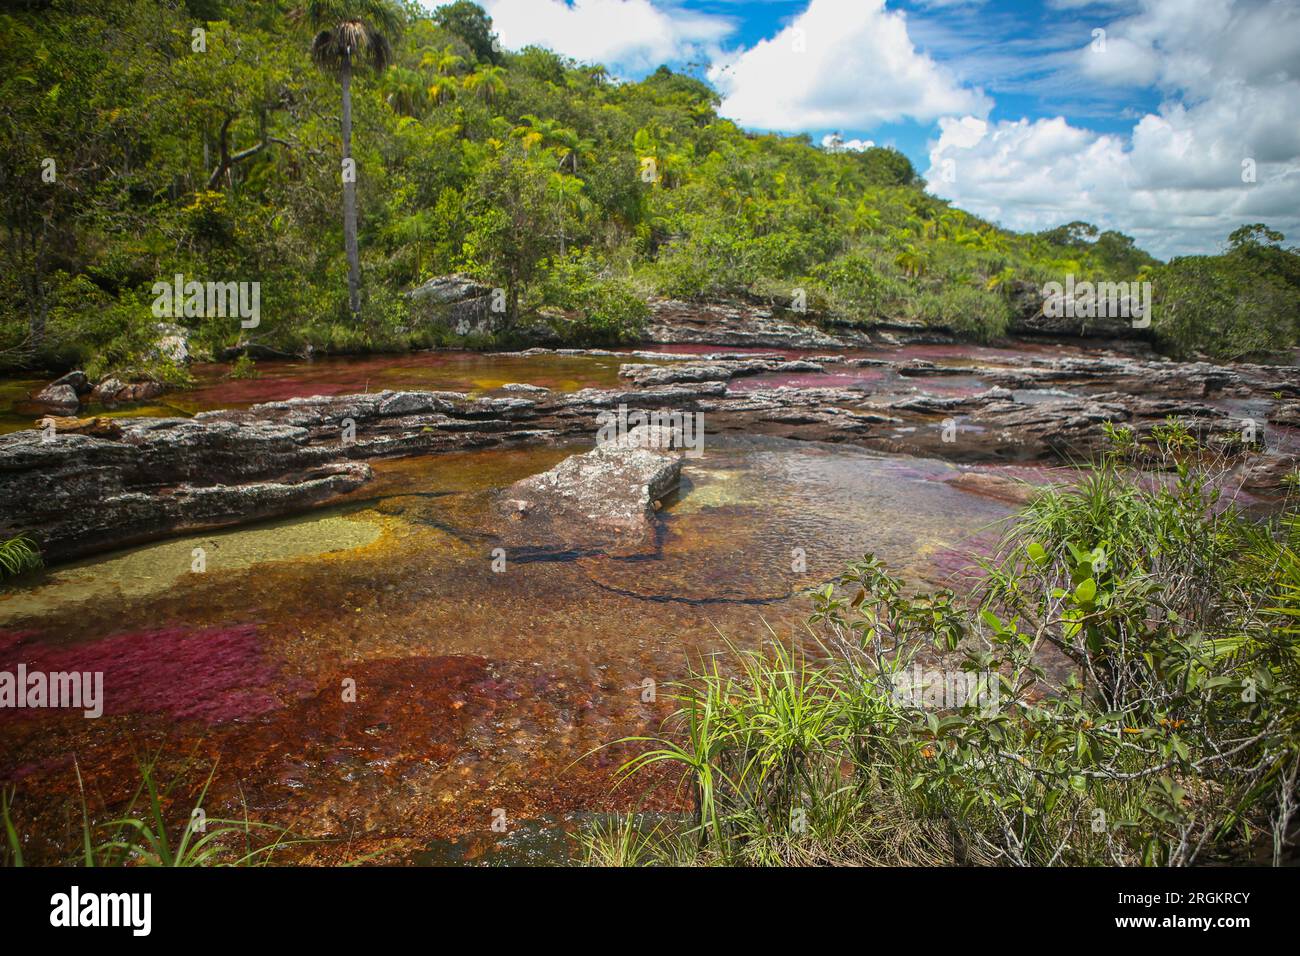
<point x="350" y="197"/>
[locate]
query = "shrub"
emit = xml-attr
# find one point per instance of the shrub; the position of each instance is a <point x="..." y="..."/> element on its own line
<point x="1224" y="306"/>
<point x="243" y="368"/>
<point x="966" y="310"/>
<point x="599" y="310"/>
<point x="17" y="556"/>
<point x="854" y="285"/>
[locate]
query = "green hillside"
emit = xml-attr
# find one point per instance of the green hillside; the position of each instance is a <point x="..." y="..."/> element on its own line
<point x="134" y="148"/>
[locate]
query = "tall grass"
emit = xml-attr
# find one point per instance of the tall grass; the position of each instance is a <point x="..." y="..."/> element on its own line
<point x="146" y="834"/>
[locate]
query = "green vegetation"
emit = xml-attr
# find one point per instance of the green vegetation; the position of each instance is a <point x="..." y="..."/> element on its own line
<point x="243" y="368"/>
<point x="145" y="834"/>
<point x="1131" y="675"/>
<point x="1242" y="303"/>
<point x="142" y="140"/>
<point x="17" y="556"/>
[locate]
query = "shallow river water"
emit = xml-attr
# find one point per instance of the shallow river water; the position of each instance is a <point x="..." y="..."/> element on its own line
<point x="476" y="690"/>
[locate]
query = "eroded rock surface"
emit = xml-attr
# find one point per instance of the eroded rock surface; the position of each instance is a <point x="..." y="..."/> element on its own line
<point x="603" y="501"/>
<point x="79" y="493"/>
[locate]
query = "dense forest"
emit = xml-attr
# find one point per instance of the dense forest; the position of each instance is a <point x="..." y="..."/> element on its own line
<point x="143" y="140"/>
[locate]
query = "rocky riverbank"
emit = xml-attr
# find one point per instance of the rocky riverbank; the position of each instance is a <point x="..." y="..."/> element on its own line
<point x="82" y="490"/>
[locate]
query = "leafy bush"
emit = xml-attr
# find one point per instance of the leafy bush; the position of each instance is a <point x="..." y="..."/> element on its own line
<point x="978" y="313"/>
<point x="1227" y="306"/>
<point x="705" y="264"/>
<point x="854" y="285"/>
<point x="599" y="309"/>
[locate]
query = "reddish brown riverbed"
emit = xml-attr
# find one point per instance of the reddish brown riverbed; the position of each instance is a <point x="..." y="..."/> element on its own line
<point x="476" y="690"/>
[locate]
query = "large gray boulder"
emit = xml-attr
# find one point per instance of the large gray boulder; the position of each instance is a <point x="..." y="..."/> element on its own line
<point x="602" y="501"/>
<point x="58" y="397"/>
<point x="455" y="302"/>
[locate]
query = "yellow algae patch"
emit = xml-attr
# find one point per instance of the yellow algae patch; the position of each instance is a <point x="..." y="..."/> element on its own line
<point x="148" y="570"/>
<point x="459" y="471"/>
<point x="713" y="489"/>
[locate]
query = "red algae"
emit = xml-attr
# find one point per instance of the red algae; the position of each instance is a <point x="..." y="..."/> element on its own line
<point x="211" y="674"/>
<point x="438" y="371"/>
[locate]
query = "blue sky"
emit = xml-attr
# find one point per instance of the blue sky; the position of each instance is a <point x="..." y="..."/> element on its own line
<point x="1172" y="120"/>
<point x="1008" y="47"/>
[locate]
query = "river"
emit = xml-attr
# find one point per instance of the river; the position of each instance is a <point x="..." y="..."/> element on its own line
<point x="479" y="691"/>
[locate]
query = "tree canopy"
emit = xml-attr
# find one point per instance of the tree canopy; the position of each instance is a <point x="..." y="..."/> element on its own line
<point x="147" y="138"/>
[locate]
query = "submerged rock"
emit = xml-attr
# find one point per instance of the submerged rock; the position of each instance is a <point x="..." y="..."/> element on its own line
<point x="603" y="500"/>
<point x="113" y="391"/>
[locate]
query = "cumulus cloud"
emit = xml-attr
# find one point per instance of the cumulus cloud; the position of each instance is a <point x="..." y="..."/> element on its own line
<point x="836" y="142"/>
<point x="627" y="35"/>
<point x="1181" y="180"/>
<point x="839" y="63"/>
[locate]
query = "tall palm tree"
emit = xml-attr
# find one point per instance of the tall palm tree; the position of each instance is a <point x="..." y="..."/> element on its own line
<point x="404" y="91"/>
<point x="564" y="143"/>
<point x="352" y="33"/>
<point x="1001" y="280"/>
<point x="443" y="89"/>
<point x="572" y="203"/>
<point x="911" y="261"/>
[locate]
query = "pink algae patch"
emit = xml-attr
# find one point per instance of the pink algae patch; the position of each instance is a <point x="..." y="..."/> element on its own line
<point x="212" y="674"/>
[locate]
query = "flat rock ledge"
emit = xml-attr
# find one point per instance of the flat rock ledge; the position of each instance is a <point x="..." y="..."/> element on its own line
<point x="79" y="489"/>
<point x="601" y="501"/>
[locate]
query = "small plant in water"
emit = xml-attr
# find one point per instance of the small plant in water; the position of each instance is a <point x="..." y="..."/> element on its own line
<point x="243" y="368"/>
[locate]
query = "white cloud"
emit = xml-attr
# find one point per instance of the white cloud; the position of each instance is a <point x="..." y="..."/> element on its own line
<point x="628" y="35"/>
<point x="829" y="141"/>
<point x="839" y="63"/>
<point x="1228" y="71"/>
